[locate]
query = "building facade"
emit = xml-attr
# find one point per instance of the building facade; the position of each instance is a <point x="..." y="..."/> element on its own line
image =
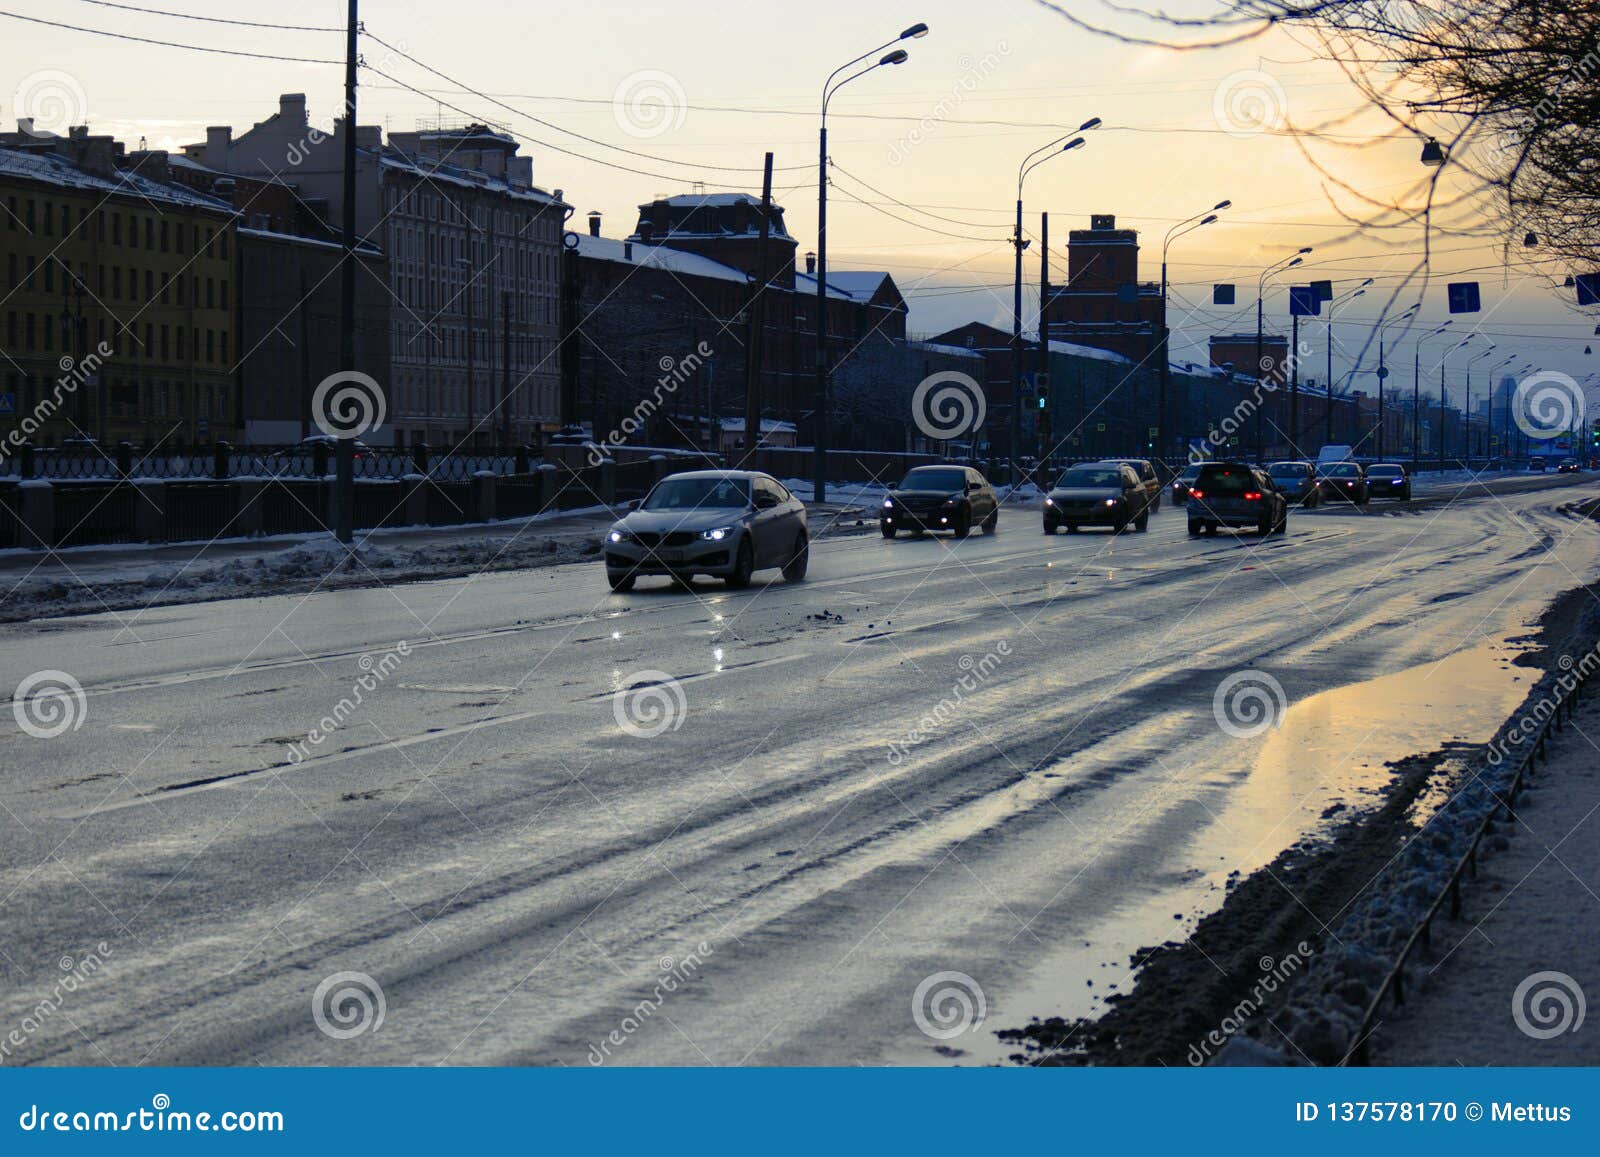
<point x="120" y="297"/>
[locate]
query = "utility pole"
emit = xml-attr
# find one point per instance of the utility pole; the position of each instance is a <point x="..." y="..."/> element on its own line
<point x="1041" y="375"/>
<point x="754" y="360"/>
<point x="1294" y="388"/>
<point x="819" y="418"/>
<point x="344" y="484"/>
<point x="1015" y="441"/>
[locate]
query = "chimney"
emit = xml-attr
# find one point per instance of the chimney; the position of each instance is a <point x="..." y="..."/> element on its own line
<point x="98" y="157"/>
<point x="369" y="136"/>
<point x="292" y="107"/>
<point x="219" y="139"/>
<point x="811" y="264"/>
<point x="647" y="231"/>
<point x="627" y="250"/>
<point x="594" y="222"/>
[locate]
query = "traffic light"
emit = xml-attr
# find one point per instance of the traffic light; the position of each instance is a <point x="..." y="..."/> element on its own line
<point x="1044" y="402"/>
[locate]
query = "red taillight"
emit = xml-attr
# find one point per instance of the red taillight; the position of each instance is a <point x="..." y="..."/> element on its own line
<point x="1196" y="494"/>
<point x="1252" y="496"/>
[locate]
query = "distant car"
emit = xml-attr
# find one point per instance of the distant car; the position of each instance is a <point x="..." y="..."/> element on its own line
<point x="1181" y="484"/>
<point x="1568" y="466"/>
<point x="1298" y="481"/>
<point x="1236" y="494"/>
<point x="1389" y="480"/>
<point x="1147" y="477"/>
<point x="1099" y="494"/>
<point x="1346" y="481"/>
<point x="950" y="497"/>
<point x="724" y="523"/>
<point x="1537" y="463"/>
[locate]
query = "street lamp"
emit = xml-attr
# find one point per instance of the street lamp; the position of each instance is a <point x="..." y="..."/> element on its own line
<point x="1188" y="225"/>
<point x="1359" y="291"/>
<point x="829" y="87"/>
<point x="1033" y="160"/>
<point x="1444" y="394"/>
<point x="1466" y="411"/>
<point x="1416" y="395"/>
<point x="1261" y="289"/>
<point x="1383" y="370"/>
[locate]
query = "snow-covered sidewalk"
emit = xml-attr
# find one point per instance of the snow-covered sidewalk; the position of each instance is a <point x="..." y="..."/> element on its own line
<point x="1513" y="976"/>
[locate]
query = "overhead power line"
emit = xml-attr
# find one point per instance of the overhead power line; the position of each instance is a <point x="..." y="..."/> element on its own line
<point x="166" y="43"/>
<point x="214" y="19"/>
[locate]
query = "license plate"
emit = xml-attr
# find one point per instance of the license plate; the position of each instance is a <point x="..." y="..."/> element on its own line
<point x="670" y="555"/>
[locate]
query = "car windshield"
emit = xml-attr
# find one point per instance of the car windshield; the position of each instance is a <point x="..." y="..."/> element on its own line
<point x="1091" y="476"/>
<point x="934" y="479"/>
<point x="1344" y="470"/>
<point x="1384" y="472"/>
<point x="1224" y="480"/>
<point x="1287" y="470"/>
<point x="697" y="493"/>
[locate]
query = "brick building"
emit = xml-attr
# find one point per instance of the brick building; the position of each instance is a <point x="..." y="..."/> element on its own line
<point x="1103" y="303"/>
<point x="1238" y="351"/>
<point x="101" y="251"/>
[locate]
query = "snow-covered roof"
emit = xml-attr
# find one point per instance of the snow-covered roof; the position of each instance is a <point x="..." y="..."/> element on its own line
<point x="51" y="169"/>
<point x="949" y="350"/>
<point x="655" y="257"/>
<point x="858" y="282"/>
<point x="1073" y="349"/>
<point x="768" y="426"/>
<point x="294" y="238"/>
<point x="714" y="200"/>
<point x="469" y="179"/>
<point x="833" y="286"/>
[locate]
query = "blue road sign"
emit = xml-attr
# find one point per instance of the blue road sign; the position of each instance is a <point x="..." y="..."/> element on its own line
<point x="8" y="403"/>
<point x="1222" y="295"/>
<point x="1464" y="297"/>
<point x="1588" y="288"/>
<point x="1303" y="301"/>
<point x="1324" y="290"/>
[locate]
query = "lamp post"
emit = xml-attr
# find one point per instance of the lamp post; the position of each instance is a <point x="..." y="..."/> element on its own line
<point x="1261" y="289"/>
<point x="1032" y="161"/>
<point x="1189" y="225"/>
<point x="1359" y="291"/>
<point x="829" y="87"/>
<point x="1383" y="370"/>
<point x="1416" y="396"/>
<point x="1444" y="395"/>
<point x="1466" y="412"/>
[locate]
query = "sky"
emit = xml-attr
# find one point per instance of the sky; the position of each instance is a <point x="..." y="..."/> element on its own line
<point x="925" y="155"/>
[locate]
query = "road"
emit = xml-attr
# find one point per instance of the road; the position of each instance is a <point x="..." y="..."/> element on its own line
<point x="521" y="874"/>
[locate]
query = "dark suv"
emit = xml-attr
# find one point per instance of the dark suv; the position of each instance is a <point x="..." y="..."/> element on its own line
<point x="1099" y="494"/>
<point x="1389" y="480"/>
<point x="1146" y="474"/>
<point x="1236" y="494"/>
<point x="951" y="497"/>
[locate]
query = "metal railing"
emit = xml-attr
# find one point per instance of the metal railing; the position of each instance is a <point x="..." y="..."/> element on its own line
<point x="1393" y="983"/>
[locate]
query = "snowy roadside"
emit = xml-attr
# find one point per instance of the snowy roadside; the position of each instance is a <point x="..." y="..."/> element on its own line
<point x="89" y="580"/>
<point x="1511" y="976"/>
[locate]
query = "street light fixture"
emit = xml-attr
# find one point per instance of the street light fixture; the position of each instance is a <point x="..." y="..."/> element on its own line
<point x="1416" y="395"/>
<point x="1261" y="289"/>
<point x="1432" y="154"/>
<point x="1164" y="369"/>
<point x="829" y="87"/>
<point x="1067" y="142"/>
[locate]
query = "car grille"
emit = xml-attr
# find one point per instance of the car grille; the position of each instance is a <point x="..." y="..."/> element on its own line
<point x="672" y="538"/>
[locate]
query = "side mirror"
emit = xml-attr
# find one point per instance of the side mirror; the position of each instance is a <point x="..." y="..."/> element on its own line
<point x="971" y="486"/>
<point x="631" y="504"/>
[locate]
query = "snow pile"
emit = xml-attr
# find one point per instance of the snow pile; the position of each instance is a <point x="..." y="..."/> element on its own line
<point x="319" y="564"/>
<point x="1325" y="1007"/>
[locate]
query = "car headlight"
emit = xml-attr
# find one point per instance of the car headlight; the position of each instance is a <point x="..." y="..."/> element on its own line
<point x="1111" y="501"/>
<point x="888" y="504"/>
<point x="617" y="536"/>
<point x="1049" y="502"/>
<point x="718" y="534"/>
